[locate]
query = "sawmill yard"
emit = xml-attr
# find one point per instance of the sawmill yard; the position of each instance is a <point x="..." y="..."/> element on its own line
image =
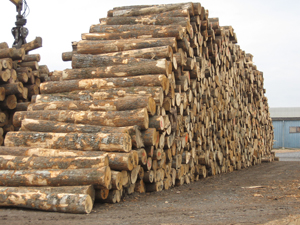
<point x="162" y="112"/>
<point x="255" y="195"/>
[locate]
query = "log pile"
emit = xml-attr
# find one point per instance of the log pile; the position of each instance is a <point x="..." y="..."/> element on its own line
<point x="20" y="78"/>
<point x="163" y="91"/>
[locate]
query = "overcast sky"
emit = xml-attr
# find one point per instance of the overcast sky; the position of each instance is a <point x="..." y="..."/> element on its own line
<point x="267" y="29"/>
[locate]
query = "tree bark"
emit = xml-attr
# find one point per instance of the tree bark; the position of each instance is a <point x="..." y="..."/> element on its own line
<point x="32" y="57"/>
<point x="117" y="161"/>
<point x="121" y="104"/>
<point x="145" y="20"/>
<point x="87" y="64"/>
<point x="46" y="199"/>
<point x="100" y="177"/>
<point x="155" y="92"/>
<point x="137" y="117"/>
<point x="73" y="141"/>
<point x="104" y="83"/>
<point x="8" y="162"/>
<point x="153" y="10"/>
<point x="13" y="89"/>
<point x="117" y="32"/>
<point x="60" y="127"/>
<point x="36" y="43"/>
<point x="106" y="46"/>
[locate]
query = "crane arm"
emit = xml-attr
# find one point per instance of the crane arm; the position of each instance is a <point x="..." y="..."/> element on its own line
<point x="19" y="32"/>
<point x="16" y="2"/>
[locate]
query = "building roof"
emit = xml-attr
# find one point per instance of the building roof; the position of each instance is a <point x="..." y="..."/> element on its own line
<point x="285" y="113"/>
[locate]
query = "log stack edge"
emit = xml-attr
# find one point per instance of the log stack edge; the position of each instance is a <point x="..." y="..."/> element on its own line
<point x="158" y="96"/>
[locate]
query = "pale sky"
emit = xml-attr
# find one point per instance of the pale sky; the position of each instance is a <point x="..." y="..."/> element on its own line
<point x="267" y="29"/>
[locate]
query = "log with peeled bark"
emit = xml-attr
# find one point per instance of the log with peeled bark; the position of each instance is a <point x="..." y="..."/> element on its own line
<point x="121" y="104"/>
<point x="100" y="177"/>
<point x="159" y="52"/>
<point x="87" y="64"/>
<point x="107" y="46"/>
<point x="118" y="32"/>
<point x="46" y="199"/>
<point x="86" y="61"/>
<point x="9" y="162"/>
<point x="60" y="127"/>
<point x="153" y="10"/>
<point x="82" y="141"/>
<point x="36" y="43"/>
<point x="145" y="20"/>
<point x="113" y="93"/>
<point x="104" y="83"/>
<point x="146" y="53"/>
<point x="172" y="13"/>
<point x="117" y="161"/>
<point x="137" y="117"/>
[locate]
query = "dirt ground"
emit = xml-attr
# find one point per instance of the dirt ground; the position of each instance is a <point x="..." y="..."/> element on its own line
<point x="268" y="193"/>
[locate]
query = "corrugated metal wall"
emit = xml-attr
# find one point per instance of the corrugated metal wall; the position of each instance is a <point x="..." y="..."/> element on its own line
<point x="282" y="136"/>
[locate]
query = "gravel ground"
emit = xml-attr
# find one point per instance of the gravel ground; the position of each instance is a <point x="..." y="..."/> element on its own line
<point x="255" y="195"/>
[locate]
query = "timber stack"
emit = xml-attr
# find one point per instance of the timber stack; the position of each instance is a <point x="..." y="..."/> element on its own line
<point x="20" y="78"/>
<point x="163" y="91"/>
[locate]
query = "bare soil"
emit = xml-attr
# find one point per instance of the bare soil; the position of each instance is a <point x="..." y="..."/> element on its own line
<point x="256" y="195"/>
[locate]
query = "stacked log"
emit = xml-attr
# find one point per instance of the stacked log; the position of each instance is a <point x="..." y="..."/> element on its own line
<point x="163" y="91"/>
<point x="20" y="78"/>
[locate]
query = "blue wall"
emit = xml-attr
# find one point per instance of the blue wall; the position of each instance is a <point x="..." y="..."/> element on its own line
<point x="282" y="135"/>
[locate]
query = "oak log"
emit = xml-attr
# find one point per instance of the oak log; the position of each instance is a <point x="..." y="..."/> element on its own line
<point x="113" y="93"/>
<point x="46" y="199"/>
<point x="60" y="127"/>
<point x="88" y="64"/>
<point x="77" y="141"/>
<point x="100" y="177"/>
<point x="121" y="104"/>
<point x="8" y="162"/>
<point x="106" y="46"/>
<point x="137" y="117"/>
<point x="104" y="83"/>
<point x="117" y="161"/>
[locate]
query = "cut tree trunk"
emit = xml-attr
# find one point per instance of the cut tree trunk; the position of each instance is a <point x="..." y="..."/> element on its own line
<point x="105" y="83"/>
<point x="127" y="103"/>
<point x="137" y="117"/>
<point x="46" y="199"/>
<point x="88" y="64"/>
<point x="156" y="92"/>
<point x="106" y="46"/>
<point x="99" y="177"/>
<point x="34" y="163"/>
<point x="73" y="141"/>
